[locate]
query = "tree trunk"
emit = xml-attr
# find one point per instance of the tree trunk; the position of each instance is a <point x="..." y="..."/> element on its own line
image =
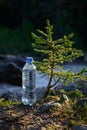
<point x="47" y="92"/>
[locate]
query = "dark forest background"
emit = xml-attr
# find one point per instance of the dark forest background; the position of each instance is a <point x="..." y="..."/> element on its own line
<point x="18" y="18"/>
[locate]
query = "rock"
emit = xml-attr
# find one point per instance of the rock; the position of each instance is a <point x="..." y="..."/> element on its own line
<point x="85" y="57"/>
<point x="19" y="61"/>
<point x="11" y="92"/>
<point x="80" y="85"/>
<point x="15" y="74"/>
<point x="43" y="128"/>
<point x="51" y="106"/>
<point x="1" y="121"/>
<point x="64" y="99"/>
<point x="10" y="73"/>
<point x="2" y="57"/>
<point x="56" y="104"/>
<point x="68" y="88"/>
<point x="40" y="92"/>
<point x="80" y="127"/>
<point x="15" y="92"/>
<point x="10" y="96"/>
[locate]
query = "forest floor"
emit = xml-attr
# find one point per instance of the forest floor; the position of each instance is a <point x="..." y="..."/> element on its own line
<point x="20" y="117"/>
<point x="17" y="117"/>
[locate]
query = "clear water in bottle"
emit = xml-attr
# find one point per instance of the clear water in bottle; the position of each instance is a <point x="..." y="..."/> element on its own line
<point x="28" y="82"/>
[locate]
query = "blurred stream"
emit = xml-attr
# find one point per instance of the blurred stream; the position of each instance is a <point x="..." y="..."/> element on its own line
<point x="40" y="80"/>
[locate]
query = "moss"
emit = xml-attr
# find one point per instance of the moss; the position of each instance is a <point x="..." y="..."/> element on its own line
<point x="72" y="122"/>
<point x="52" y="92"/>
<point x="61" y="91"/>
<point x="51" y="99"/>
<point x="8" y="102"/>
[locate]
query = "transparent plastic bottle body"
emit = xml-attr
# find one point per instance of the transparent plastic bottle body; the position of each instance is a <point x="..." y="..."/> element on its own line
<point x="28" y="83"/>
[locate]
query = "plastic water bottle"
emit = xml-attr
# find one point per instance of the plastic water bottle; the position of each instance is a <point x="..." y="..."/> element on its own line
<point x="28" y="82"/>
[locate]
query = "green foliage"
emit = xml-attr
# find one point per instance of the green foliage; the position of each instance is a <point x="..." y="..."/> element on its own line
<point x="82" y="112"/>
<point x="16" y="41"/>
<point x="51" y="99"/>
<point x="81" y="109"/>
<point x="56" y="52"/>
<point x="8" y="102"/>
<point x="61" y="91"/>
<point x="75" y="95"/>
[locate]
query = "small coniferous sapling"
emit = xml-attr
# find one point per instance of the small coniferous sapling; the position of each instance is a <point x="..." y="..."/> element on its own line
<point x="56" y="52"/>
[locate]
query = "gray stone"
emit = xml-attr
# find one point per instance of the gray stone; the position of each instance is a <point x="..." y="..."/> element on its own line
<point x="51" y="105"/>
<point x="19" y="61"/>
<point x="80" y="127"/>
<point x="85" y="57"/>
<point x="80" y="85"/>
<point x="64" y="98"/>
<point x="10" y="73"/>
<point x="40" y="92"/>
<point x="10" y="96"/>
<point x="14" y="93"/>
<point x="11" y="69"/>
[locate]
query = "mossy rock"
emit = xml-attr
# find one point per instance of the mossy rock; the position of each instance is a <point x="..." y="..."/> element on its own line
<point x="51" y="99"/>
<point x="51" y="107"/>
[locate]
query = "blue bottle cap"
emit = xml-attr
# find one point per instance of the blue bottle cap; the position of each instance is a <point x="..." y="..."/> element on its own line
<point x="29" y="59"/>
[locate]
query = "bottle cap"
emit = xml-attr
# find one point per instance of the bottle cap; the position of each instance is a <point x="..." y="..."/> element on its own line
<point x="29" y="59"/>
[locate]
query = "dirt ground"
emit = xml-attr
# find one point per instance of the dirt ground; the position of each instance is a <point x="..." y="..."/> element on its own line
<point x="19" y="117"/>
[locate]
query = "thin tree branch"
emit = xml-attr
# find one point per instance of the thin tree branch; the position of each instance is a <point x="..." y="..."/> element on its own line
<point x="55" y="83"/>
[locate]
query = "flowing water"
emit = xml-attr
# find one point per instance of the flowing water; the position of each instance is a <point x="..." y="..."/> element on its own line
<point x="40" y="80"/>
